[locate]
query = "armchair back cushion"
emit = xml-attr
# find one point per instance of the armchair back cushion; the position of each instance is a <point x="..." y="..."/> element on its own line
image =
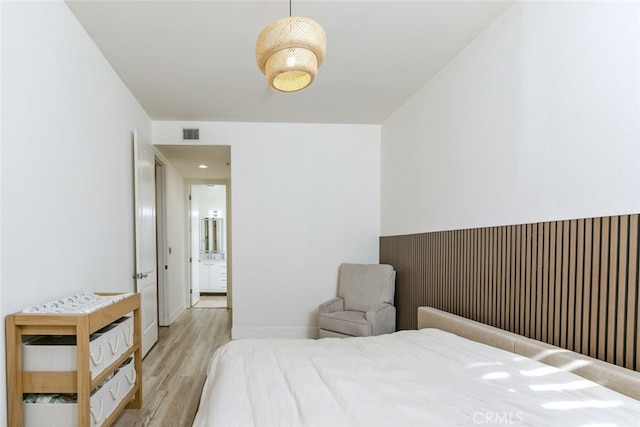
<point x="364" y="285"/>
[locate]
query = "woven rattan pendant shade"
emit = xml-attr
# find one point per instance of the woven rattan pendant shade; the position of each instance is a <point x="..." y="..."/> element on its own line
<point x="289" y="52"/>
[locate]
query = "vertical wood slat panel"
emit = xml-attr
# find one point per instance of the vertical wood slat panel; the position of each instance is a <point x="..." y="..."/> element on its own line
<point x="557" y="284"/>
<point x="523" y="280"/>
<point x="632" y="337"/>
<point x="552" y="282"/>
<point x="579" y="283"/>
<point x="564" y="290"/>
<point x="502" y="276"/>
<point x="528" y="279"/>
<point x="604" y="281"/>
<point x="572" y="283"/>
<point x="612" y="288"/>
<point x="586" y="306"/>
<point x="595" y="288"/>
<point x="517" y="281"/>
<point x="538" y="281"/>
<point x="545" y="283"/>
<point x="621" y="301"/>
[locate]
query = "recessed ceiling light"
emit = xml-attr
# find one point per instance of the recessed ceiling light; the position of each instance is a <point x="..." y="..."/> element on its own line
<point x="203" y="166"/>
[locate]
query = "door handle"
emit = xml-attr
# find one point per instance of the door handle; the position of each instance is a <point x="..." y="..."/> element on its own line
<point x="140" y="276"/>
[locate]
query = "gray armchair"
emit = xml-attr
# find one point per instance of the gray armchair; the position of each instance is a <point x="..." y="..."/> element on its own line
<point x="364" y="305"/>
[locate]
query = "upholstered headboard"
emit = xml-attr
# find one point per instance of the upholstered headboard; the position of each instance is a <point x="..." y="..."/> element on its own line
<point x="620" y="379"/>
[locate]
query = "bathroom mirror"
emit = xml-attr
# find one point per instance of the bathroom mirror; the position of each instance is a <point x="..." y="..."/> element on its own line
<point x="211" y="235"/>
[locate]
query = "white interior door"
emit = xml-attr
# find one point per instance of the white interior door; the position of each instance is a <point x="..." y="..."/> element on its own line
<point x="194" y="230"/>
<point x="145" y="225"/>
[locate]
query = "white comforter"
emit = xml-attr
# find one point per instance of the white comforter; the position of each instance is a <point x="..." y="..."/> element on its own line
<point x="409" y="378"/>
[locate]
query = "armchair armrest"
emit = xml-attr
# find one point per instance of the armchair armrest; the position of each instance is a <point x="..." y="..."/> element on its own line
<point x="331" y="306"/>
<point x="382" y="318"/>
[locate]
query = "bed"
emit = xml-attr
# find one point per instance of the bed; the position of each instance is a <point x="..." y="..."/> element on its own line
<point x="452" y="371"/>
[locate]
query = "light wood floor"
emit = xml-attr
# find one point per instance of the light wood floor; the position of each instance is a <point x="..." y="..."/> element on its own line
<point x="175" y="368"/>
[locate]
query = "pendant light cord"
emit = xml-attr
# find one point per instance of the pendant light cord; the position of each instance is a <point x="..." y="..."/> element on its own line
<point x="289" y="8"/>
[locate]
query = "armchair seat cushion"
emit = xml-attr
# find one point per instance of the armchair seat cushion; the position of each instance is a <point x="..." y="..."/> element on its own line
<point x="351" y="323"/>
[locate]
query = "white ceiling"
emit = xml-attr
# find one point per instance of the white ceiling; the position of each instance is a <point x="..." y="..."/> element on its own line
<point x="194" y="60"/>
<point x="187" y="159"/>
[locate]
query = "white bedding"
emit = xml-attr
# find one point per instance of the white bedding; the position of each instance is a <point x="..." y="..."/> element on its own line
<point x="410" y="378"/>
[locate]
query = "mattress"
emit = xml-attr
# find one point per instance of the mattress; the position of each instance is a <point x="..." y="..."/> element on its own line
<point x="426" y="377"/>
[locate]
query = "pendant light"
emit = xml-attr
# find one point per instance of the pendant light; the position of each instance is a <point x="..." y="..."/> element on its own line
<point x="289" y="52"/>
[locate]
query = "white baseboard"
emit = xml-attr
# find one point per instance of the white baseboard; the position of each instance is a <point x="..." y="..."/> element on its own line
<point x="241" y="333"/>
<point x="176" y="313"/>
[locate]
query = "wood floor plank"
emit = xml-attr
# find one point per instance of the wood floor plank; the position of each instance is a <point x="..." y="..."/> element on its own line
<point x="173" y="372"/>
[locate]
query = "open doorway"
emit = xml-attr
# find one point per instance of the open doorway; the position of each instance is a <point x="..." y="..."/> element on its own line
<point x="208" y="227"/>
<point x="195" y="165"/>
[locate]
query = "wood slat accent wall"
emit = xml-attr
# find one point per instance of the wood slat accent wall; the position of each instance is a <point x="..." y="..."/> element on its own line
<point x="572" y="283"/>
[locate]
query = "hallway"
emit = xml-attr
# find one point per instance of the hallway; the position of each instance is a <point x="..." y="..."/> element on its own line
<point x="175" y="369"/>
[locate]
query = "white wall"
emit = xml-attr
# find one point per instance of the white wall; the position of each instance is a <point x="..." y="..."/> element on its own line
<point x="538" y="119"/>
<point x="212" y="200"/>
<point x="305" y="198"/>
<point x="67" y="183"/>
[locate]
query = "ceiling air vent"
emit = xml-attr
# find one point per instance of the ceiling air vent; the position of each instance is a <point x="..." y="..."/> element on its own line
<point x="190" y="133"/>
